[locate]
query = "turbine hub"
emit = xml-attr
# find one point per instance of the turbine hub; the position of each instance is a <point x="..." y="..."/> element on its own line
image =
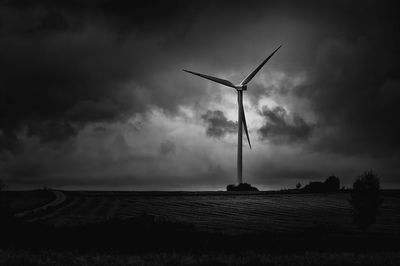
<point x="241" y="87"/>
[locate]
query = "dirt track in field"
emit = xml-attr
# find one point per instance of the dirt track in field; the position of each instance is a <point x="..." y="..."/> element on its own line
<point x="59" y="198"/>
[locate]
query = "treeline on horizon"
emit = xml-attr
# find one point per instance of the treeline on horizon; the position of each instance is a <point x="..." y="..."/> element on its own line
<point x="331" y="184"/>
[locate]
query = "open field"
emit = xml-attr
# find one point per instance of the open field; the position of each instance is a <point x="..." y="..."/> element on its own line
<point x="197" y="228"/>
<point x="222" y="212"/>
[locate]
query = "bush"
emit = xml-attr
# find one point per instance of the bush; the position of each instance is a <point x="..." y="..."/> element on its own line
<point x="366" y="199"/>
<point x="241" y="187"/>
<point x="332" y="184"/>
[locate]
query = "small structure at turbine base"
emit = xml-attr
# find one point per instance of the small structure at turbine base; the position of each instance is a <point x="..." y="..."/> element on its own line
<point x="241" y="187"/>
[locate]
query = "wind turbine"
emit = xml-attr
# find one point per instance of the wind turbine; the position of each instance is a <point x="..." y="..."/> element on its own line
<point x="241" y="116"/>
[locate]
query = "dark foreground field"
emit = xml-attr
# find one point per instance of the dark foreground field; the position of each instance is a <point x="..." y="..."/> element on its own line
<point x="66" y="258"/>
<point x="183" y="228"/>
<point x="224" y="212"/>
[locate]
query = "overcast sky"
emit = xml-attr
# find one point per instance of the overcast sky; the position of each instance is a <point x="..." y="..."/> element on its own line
<point x="93" y="96"/>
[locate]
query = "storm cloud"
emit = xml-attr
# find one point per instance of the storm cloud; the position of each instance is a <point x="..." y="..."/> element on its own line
<point x="167" y="147"/>
<point x="69" y="66"/>
<point x="280" y="127"/>
<point x="348" y="89"/>
<point x="217" y="124"/>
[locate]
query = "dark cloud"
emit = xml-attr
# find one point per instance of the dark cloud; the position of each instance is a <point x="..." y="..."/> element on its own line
<point x="8" y="140"/>
<point x="67" y="63"/>
<point x="62" y="78"/>
<point x="217" y="124"/>
<point x="355" y="96"/>
<point x="167" y="147"/>
<point x="52" y="131"/>
<point x="280" y="127"/>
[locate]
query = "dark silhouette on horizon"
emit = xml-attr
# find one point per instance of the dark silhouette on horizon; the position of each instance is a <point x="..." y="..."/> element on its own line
<point x="366" y="199"/>
<point x="241" y="187"/>
<point x="331" y="184"/>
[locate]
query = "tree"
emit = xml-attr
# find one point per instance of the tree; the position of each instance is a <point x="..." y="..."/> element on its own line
<point x="366" y="200"/>
<point x="332" y="184"/>
<point x="298" y="185"/>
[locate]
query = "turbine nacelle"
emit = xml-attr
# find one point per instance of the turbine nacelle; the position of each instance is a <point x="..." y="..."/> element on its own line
<point x="241" y="87"/>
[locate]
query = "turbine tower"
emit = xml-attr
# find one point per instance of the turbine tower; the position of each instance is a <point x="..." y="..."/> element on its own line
<point x="241" y="116"/>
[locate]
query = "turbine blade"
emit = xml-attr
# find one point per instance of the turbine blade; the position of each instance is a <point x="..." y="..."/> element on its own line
<point x="252" y="74"/>
<point x="218" y="80"/>
<point x="245" y="126"/>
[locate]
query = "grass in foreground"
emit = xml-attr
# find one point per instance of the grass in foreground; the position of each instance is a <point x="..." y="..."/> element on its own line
<point x="22" y="257"/>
